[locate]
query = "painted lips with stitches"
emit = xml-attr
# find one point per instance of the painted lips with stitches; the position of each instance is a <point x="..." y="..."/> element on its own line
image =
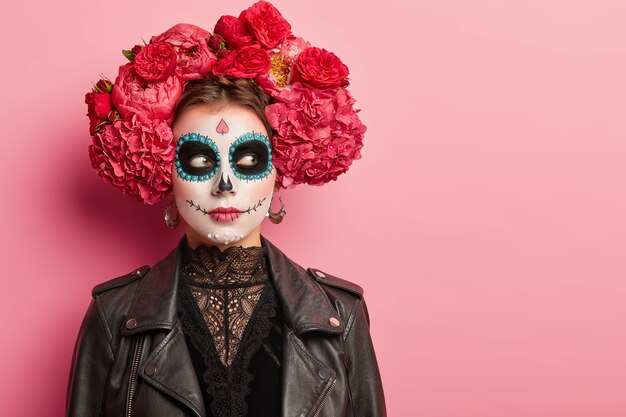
<point x="224" y="211"/>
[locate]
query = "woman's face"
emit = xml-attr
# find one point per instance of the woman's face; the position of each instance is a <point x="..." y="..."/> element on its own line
<point x="223" y="176"/>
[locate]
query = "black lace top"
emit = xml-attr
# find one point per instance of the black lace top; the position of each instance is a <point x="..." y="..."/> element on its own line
<point x="231" y="319"/>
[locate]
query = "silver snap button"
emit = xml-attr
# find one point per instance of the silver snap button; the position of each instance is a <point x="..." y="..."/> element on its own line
<point x="320" y="274"/>
<point x="131" y="324"/>
<point x="324" y="373"/>
<point x="334" y="322"/>
<point x="138" y="272"/>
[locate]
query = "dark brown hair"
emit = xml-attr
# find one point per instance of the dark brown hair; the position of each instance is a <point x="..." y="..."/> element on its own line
<point x="220" y="91"/>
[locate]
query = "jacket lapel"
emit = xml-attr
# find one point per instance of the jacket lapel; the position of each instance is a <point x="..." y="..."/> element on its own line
<point x="305" y="305"/>
<point x="168" y="367"/>
<point x="154" y="306"/>
<point x="307" y="381"/>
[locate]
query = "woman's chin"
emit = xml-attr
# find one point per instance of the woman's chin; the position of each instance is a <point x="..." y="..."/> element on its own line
<point x="223" y="235"/>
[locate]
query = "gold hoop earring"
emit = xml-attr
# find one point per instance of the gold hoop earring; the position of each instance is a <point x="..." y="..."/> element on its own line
<point x="171" y="221"/>
<point x="276" y="217"/>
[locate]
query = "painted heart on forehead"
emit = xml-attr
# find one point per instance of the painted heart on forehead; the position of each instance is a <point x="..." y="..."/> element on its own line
<point x="222" y="127"/>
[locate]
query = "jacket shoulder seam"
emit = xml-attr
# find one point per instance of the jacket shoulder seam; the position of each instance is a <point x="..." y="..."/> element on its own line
<point x="336" y="282"/>
<point x="120" y="281"/>
<point x="105" y="323"/>
<point x="351" y="318"/>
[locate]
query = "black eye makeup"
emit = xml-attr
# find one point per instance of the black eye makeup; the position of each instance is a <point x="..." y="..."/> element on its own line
<point x="197" y="157"/>
<point x="250" y="156"/>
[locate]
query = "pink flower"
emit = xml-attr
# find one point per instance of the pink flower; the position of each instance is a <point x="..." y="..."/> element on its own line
<point x="149" y="101"/>
<point x="265" y="23"/>
<point x="99" y="106"/>
<point x="234" y="32"/>
<point x="320" y="69"/>
<point x="246" y="62"/>
<point x="317" y="134"/>
<point x="292" y="47"/>
<point x="281" y="68"/>
<point x="156" y="62"/>
<point x="190" y="43"/>
<point x="135" y="157"/>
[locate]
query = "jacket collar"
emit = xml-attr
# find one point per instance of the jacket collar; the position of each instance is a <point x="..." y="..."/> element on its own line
<point x="305" y="305"/>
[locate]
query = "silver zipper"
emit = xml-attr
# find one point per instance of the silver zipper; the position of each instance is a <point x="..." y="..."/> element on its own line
<point x="133" y="375"/>
<point x="326" y="396"/>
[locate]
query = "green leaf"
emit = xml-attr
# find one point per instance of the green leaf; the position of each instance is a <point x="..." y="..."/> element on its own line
<point x="101" y="125"/>
<point x="129" y="55"/>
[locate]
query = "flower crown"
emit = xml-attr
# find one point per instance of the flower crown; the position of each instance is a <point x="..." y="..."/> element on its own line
<point x="316" y="131"/>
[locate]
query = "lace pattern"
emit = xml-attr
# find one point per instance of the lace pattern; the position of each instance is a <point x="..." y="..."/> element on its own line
<point x="226" y="332"/>
<point x="227" y="286"/>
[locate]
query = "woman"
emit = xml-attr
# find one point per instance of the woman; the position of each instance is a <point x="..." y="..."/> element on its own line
<point x="226" y="324"/>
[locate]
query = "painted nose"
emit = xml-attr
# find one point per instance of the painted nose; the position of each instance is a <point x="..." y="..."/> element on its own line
<point x="225" y="186"/>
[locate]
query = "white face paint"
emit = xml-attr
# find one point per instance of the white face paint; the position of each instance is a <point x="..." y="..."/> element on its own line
<point x="223" y="175"/>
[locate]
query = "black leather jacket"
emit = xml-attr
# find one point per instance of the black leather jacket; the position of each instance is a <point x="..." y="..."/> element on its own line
<point x="131" y="358"/>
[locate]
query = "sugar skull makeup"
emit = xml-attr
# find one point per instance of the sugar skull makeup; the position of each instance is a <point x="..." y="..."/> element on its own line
<point x="250" y="156"/>
<point x="197" y="157"/>
<point x="223" y="176"/>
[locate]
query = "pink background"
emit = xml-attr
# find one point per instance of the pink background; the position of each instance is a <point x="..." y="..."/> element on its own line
<point x="486" y="220"/>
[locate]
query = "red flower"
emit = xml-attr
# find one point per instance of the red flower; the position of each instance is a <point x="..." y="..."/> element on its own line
<point x="136" y="49"/>
<point x="216" y="43"/>
<point x="234" y="32"/>
<point x="320" y="69"/>
<point x="246" y="62"/>
<point x="150" y="101"/>
<point x="266" y="24"/>
<point x="317" y="134"/>
<point x="156" y="62"/>
<point x="99" y="106"/>
<point x="317" y="131"/>
<point x="135" y="156"/>
<point x="190" y="43"/>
